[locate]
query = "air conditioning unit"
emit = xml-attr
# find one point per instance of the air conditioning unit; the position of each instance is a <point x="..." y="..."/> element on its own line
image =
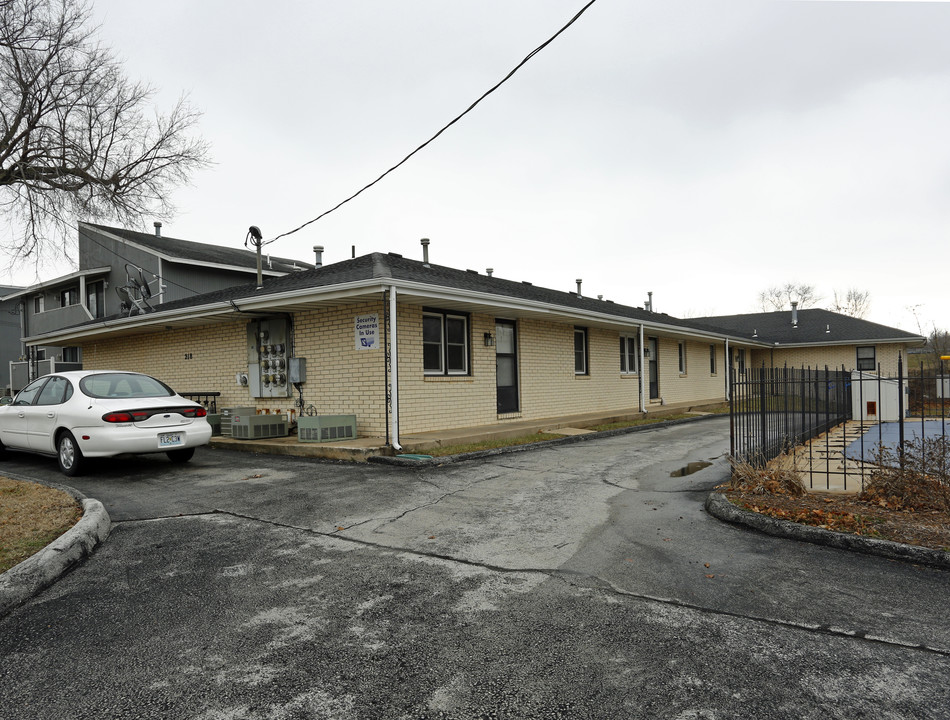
<point x="258" y="427"/>
<point x="228" y="413"/>
<point x="325" y="428"/>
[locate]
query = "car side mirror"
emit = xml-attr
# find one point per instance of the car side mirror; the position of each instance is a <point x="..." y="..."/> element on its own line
<point x="6" y="400"/>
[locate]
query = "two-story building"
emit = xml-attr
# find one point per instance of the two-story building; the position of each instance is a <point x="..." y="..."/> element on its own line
<point x="121" y="273"/>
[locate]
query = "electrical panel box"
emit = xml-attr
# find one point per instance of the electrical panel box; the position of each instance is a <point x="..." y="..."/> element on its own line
<point x="325" y="428"/>
<point x="267" y="355"/>
<point x="297" y="370"/>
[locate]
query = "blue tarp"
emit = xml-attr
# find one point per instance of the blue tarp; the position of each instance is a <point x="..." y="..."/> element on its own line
<point x="888" y="434"/>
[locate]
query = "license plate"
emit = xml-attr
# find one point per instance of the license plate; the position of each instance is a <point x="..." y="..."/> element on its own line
<point x="169" y="439"/>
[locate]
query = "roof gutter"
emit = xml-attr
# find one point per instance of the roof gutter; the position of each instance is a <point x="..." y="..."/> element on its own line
<point x="267" y="302"/>
<point x="262" y="304"/>
<point x="541" y="308"/>
<point x="916" y="339"/>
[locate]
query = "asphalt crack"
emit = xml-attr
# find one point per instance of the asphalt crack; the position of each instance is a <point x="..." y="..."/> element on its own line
<point x="579" y="579"/>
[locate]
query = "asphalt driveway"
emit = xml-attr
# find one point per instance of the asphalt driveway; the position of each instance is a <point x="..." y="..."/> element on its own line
<point x="573" y="581"/>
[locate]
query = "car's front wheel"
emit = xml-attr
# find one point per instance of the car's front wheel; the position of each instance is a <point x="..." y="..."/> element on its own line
<point x="181" y="456"/>
<point x="70" y="457"/>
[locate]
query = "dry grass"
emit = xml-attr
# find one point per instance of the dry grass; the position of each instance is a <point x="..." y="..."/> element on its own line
<point x="778" y="478"/>
<point x="904" y="507"/>
<point x="920" y="482"/>
<point x="31" y="517"/>
<point x="489" y="444"/>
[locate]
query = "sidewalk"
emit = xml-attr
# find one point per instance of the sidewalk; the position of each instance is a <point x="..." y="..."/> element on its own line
<point x="360" y="449"/>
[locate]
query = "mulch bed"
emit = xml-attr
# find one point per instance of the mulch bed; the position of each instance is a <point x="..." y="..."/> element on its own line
<point x="845" y="513"/>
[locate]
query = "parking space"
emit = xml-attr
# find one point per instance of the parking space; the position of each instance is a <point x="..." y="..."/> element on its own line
<point x="576" y="580"/>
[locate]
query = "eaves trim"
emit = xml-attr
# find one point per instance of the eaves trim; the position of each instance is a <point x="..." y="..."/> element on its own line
<point x="916" y="339"/>
<point x="209" y="310"/>
<point x="539" y="307"/>
<point x="61" y="280"/>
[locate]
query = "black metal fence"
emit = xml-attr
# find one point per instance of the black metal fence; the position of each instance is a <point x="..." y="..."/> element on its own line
<point x="773" y="410"/>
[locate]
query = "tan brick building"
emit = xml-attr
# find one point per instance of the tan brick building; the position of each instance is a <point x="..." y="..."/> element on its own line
<point x="410" y="347"/>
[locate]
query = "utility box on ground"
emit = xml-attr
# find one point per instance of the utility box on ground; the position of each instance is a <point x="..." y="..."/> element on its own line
<point x="258" y="427"/>
<point x="228" y="413"/>
<point x="325" y="428"/>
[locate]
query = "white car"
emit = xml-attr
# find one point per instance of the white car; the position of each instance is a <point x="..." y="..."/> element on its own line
<point x="95" y="413"/>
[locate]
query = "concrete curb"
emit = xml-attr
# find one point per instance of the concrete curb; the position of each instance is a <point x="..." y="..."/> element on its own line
<point x="719" y="506"/>
<point x="397" y="461"/>
<point x="39" y="571"/>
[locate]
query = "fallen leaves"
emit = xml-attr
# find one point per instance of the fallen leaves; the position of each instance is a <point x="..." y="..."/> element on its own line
<point x="848" y="514"/>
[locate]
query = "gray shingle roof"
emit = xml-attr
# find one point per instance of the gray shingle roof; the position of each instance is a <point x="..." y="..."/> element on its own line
<point x="814" y="326"/>
<point x="771" y="327"/>
<point x="380" y="266"/>
<point x="189" y="251"/>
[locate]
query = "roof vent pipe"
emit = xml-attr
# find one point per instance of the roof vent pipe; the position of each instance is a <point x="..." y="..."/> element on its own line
<point x="425" y="251"/>
<point x="318" y="252"/>
<point x="579" y="281"/>
<point x="489" y="271"/>
<point x="158" y="228"/>
<point x="795" y="313"/>
<point x="650" y="301"/>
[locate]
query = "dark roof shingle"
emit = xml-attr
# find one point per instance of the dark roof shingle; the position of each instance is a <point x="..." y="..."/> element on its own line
<point x="203" y="252"/>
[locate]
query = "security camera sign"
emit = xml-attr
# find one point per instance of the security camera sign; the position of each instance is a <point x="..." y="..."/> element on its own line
<point x="367" y="332"/>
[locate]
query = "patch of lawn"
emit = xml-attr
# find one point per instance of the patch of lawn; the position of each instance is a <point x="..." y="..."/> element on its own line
<point x="651" y="419"/>
<point x="31" y="517"/>
<point x="648" y="420"/>
<point x="489" y="444"/>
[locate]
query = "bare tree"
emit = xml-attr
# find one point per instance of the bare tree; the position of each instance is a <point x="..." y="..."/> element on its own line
<point x="939" y="344"/>
<point x="76" y="140"/>
<point x="780" y="297"/>
<point x="854" y="302"/>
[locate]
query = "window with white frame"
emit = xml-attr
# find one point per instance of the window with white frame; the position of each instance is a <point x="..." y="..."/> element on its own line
<point x="39" y="303"/>
<point x="867" y="358"/>
<point x="580" y="351"/>
<point x="682" y="356"/>
<point x="712" y="359"/>
<point x="445" y="345"/>
<point x="629" y="355"/>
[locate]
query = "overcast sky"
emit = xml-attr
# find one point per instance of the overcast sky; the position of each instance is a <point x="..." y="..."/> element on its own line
<point x="700" y="149"/>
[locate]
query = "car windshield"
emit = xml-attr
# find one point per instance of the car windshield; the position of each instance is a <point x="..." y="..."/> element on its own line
<point x="123" y="385"/>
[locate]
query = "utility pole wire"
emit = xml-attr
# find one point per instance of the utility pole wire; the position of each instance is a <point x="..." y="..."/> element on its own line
<point x="446" y="127"/>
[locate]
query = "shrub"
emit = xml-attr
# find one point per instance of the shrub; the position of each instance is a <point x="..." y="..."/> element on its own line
<point x="920" y="480"/>
<point x="777" y="478"/>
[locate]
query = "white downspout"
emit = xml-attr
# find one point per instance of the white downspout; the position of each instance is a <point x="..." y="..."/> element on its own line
<point x="394" y="374"/>
<point x="728" y="369"/>
<point x="643" y="406"/>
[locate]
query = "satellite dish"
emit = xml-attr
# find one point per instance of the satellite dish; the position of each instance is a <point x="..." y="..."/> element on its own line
<point x="143" y="285"/>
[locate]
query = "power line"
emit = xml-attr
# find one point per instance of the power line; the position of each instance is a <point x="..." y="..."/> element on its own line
<point x="444" y="128"/>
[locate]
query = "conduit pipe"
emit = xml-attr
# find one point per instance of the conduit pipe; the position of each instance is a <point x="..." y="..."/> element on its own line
<point x="643" y="405"/>
<point x="394" y="375"/>
<point x="728" y="372"/>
